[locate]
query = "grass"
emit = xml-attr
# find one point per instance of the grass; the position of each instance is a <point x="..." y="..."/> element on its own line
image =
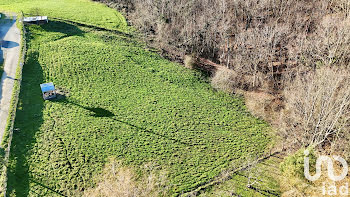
<point x="83" y="11"/>
<point x="2" y="16"/>
<point x="1" y="67"/>
<point x="265" y="174"/>
<point x="122" y="101"/>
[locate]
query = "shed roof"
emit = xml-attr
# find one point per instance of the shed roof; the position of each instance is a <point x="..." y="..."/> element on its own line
<point x="46" y="87"/>
<point x="35" y="18"/>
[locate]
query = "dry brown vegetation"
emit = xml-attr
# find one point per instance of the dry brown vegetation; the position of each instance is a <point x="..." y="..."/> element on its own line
<point x="226" y="80"/>
<point x="190" y="62"/>
<point x="262" y="39"/>
<point x="318" y="108"/>
<point x="120" y="181"/>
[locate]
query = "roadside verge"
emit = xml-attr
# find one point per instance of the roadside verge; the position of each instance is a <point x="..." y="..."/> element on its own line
<point x="7" y="135"/>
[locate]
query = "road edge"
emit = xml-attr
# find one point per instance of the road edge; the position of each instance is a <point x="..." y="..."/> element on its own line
<point x="8" y="132"/>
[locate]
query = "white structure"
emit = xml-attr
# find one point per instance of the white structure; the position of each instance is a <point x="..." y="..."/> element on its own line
<point x="35" y="20"/>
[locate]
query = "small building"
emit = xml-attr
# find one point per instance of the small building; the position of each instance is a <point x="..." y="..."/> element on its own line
<point x="36" y="20"/>
<point x="48" y="90"/>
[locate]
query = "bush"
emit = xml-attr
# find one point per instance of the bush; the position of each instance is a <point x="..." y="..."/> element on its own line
<point x="190" y="62"/>
<point x="225" y="80"/>
<point x="229" y="81"/>
<point x="293" y="165"/>
<point x="293" y="181"/>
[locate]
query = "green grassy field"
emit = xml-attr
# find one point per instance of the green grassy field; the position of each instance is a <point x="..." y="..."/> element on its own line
<point x="84" y="11"/>
<point x="123" y="101"/>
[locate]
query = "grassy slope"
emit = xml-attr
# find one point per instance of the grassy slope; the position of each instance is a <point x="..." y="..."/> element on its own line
<point x="124" y="101"/>
<point x="83" y="11"/>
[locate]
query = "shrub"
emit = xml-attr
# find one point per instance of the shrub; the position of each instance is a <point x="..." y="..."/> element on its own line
<point x="225" y="80"/>
<point x="293" y="165"/>
<point x="190" y="62"/>
<point x="293" y="182"/>
<point x="229" y="80"/>
<point x="263" y="105"/>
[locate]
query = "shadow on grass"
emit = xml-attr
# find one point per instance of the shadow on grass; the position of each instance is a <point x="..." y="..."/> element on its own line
<point x="57" y="26"/>
<point x="46" y="187"/>
<point x="29" y="116"/>
<point x="28" y="121"/>
<point x="94" y="27"/>
<point x="62" y="27"/>
<point x="96" y="111"/>
<point x="100" y="112"/>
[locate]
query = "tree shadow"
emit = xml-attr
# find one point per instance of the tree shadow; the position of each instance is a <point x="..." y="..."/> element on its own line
<point x="62" y="27"/>
<point x="27" y="123"/>
<point x="100" y="112"/>
<point x="9" y="44"/>
<point x="46" y="187"/>
<point x="142" y="129"/>
<point x="93" y="27"/>
<point x="5" y="26"/>
<point x="96" y="111"/>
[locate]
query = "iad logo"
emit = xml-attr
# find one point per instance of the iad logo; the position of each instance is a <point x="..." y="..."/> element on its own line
<point x="330" y="168"/>
<point x="332" y="190"/>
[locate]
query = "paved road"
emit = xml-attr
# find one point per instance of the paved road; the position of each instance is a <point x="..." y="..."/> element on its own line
<point x="10" y="52"/>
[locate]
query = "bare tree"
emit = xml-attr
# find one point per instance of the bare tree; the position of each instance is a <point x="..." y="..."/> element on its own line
<point x="318" y="107"/>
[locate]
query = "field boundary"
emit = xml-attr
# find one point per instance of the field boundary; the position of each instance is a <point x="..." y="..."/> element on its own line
<point x="90" y="26"/>
<point x="95" y="27"/>
<point x="7" y="138"/>
<point x="221" y="179"/>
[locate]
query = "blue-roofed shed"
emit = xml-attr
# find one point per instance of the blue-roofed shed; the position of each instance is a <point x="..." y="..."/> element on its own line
<point x="48" y="90"/>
